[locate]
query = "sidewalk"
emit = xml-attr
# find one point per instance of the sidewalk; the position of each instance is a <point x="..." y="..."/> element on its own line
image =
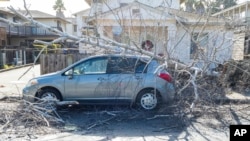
<point x="238" y="97"/>
<point x="16" y="67"/>
<point x="9" y="83"/>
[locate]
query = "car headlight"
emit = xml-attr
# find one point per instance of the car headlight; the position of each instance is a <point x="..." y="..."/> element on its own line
<point x="32" y="82"/>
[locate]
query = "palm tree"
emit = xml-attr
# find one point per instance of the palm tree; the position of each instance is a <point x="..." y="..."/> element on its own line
<point x="59" y="7"/>
<point x="195" y="6"/>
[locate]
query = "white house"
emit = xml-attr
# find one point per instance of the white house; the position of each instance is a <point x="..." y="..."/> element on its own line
<point x="239" y="16"/>
<point x="184" y="36"/>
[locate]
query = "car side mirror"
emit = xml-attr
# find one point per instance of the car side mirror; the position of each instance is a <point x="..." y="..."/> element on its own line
<point x="69" y="73"/>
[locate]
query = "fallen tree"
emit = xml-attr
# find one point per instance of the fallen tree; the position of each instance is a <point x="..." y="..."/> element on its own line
<point x="193" y="74"/>
<point x="104" y="43"/>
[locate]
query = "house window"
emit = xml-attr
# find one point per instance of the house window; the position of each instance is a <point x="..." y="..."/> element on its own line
<point x="75" y="28"/>
<point x="3" y="43"/>
<point x="2" y="15"/>
<point x="123" y="4"/>
<point x="135" y="11"/>
<point x="198" y="43"/>
<point x="15" y="19"/>
<point x="59" y="27"/>
<point x="247" y="46"/>
<point x="58" y="24"/>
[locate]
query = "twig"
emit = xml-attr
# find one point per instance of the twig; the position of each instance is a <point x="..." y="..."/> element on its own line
<point x="2" y="98"/>
<point x="6" y="124"/>
<point x="111" y="113"/>
<point x="46" y="120"/>
<point x="99" y="123"/>
<point x="158" y="116"/>
<point x="166" y="128"/>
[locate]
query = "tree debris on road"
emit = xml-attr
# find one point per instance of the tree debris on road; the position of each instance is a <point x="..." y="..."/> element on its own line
<point x="236" y="75"/>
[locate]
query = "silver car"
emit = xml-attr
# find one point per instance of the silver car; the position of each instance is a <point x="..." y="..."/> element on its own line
<point x="106" y="79"/>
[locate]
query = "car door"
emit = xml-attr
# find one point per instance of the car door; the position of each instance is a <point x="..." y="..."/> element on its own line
<point x="88" y="80"/>
<point x="123" y="77"/>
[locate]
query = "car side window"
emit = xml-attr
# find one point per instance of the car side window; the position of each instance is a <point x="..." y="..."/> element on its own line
<point x="125" y="65"/>
<point x="119" y="65"/>
<point x="141" y="67"/>
<point x="92" y="66"/>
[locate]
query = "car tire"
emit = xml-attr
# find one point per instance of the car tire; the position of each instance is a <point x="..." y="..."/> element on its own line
<point x="49" y="94"/>
<point x="48" y="97"/>
<point x="148" y="99"/>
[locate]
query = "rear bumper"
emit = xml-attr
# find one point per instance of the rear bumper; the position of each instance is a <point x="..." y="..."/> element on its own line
<point x="168" y="92"/>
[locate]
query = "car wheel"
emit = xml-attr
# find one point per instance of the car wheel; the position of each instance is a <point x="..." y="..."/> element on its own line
<point x="49" y="94"/>
<point x="148" y="99"/>
<point x="48" y="98"/>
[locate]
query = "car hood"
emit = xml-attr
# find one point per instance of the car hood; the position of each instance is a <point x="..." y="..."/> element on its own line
<point x="48" y="75"/>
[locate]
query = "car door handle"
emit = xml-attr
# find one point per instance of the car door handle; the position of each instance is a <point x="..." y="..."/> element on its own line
<point x="101" y="78"/>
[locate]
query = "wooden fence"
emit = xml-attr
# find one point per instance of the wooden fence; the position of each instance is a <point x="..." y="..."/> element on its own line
<point x="54" y="62"/>
<point x="15" y="56"/>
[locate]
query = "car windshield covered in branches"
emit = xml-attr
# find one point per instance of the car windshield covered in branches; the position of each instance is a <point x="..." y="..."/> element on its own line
<point x="106" y="79"/>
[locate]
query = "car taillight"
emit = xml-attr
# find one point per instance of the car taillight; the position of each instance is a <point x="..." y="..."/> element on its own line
<point x="165" y="76"/>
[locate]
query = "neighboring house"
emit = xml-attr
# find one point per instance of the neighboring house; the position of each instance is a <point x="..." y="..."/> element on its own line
<point x="239" y="16"/>
<point x="81" y="18"/>
<point x="18" y="40"/>
<point x="184" y="36"/>
<point x="17" y="35"/>
<point x="71" y="26"/>
<point x="3" y="31"/>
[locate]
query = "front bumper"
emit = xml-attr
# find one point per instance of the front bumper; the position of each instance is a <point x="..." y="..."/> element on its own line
<point x="29" y="94"/>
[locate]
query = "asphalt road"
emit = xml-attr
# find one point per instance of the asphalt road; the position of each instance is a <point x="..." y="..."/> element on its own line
<point x="9" y="83"/>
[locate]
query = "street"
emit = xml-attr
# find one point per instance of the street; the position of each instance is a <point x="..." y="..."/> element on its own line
<point x="106" y="123"/>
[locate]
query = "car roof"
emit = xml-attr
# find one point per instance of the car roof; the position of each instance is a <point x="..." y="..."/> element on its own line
<point x="141" y="57"/>
<point x="124" y="55"/>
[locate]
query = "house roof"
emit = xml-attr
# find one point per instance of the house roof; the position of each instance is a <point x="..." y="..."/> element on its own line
<point x="135" y="3"/>
<point x="186" y="17"/>
<point x="193" y="18"/>
<point x="38" y="14"/>
<point x="35" y="14"/>
<point x="83" y="12"/>
<point x="42" y="15"/>
<point x="88" y="2"/>
<point x="3" y="9"/>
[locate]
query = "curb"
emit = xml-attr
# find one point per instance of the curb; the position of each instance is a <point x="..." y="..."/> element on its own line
<point x="16" y="67"/>
<point x="233" y="101"/>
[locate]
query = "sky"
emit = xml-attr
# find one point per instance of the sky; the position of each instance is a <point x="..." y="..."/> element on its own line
<point x="72" y="6"/>
<point x="240" y="1"/>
